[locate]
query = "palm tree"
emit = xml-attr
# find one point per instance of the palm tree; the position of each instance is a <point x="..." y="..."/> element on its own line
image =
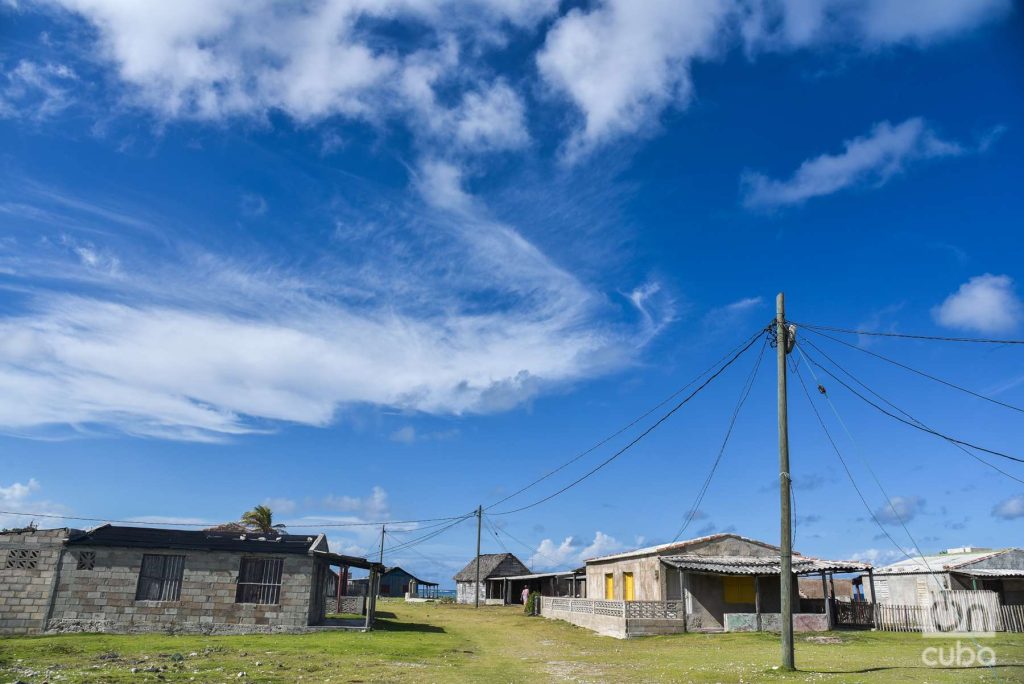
<point x="261" y="519"/>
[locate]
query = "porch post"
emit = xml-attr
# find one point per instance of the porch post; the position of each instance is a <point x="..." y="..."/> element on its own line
<point x="684" y="589"/>
<point x="874" y="599"/>
<point x="757" y="601"/>
<point x="337" y="590"/>
<point x="371" y="598"/>
<point x="828" y="601"/>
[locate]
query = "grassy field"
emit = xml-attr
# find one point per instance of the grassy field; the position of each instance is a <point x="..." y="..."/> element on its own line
<point x="433" y="643"/>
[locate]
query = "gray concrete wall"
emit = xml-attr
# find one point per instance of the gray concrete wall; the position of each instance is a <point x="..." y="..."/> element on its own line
<point x="103" y="599"/>
<point x="26" y="593"/>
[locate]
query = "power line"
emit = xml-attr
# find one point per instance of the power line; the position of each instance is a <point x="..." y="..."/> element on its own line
<point x="428" y="537"/>
<point x="640" y="436"/>
<point x="533" y="550"/>
<point x="933" y="338"/>
<point x="919" y="372"/>
<point x="744" y="393"/>
<point x="917" y="426"/>
<point x="846" y="468"/>
<point x="623" y="429"/>
<point x="911" y="420"/>
<point x="860" y="453"/>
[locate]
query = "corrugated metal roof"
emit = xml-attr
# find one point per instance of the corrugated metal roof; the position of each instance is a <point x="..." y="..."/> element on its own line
<point x="938" y="562"/>
<point x="662" y="548"/>
<point x="201" y="540"/>
<point x="991" y="572"/>
<point x="759" y="565"/>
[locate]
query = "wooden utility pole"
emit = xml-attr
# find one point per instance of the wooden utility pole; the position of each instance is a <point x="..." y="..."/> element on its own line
<point x="382" y="544"/>
<point x="479" y="523"/>
<point x="786" y="543"/>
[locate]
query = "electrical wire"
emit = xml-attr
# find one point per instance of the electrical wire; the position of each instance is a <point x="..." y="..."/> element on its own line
<point x="744" y="393"/>
<point x="623" y="429"/>
<point x="427" y="537"/>
<point x="919" y="372"/>
<point x="914" y="422"/>
<point x="639" y="437"/>
<point x="842" y="460"/>
<point x="934" y="338"/>
<point x="532" y="549"/>
<point x="917" y="426"/>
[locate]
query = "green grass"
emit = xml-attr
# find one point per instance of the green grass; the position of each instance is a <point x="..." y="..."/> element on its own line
<point x="432" y="642"/>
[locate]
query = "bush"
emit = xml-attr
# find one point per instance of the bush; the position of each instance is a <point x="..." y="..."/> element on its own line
<point x="532" y="606"/>
<point x="446" y="599"/>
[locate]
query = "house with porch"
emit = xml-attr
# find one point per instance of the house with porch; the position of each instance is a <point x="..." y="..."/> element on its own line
<point x="138" y="579"/>
<point x="907" y="581"/>
<point x="495" y="568"/>
<point x="722" y="582"/>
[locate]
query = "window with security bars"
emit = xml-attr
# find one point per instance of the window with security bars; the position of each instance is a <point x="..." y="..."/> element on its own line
<point x="259" y="580"/>
<point x="22" y="559"/>
<point x="160" y="578"/>
<point x="86" y="560"/>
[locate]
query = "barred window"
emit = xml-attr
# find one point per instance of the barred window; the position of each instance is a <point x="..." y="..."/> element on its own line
<point x="86" y="560"/>
<point x="259" y="580"/>
<point x="23" y="559"/>
<point x="160" y="578"/>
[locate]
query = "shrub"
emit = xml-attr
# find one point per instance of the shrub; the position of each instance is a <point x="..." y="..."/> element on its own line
<point x="532" y="606"/>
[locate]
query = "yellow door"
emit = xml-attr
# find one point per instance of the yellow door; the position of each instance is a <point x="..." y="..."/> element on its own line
<point x="627" y="586"/>
<point x="609" y="587"/>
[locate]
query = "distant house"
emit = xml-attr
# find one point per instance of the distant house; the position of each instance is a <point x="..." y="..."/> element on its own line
<point x="396" y="582"/>
<point x="722" y="582"/>
<point x="907" y="581"/>
<point x="494" y="569"/>
<point x="131" y="579"/>
<point x="568" y="583"/>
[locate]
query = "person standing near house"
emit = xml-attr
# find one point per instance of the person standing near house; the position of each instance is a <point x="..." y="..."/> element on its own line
<point x="526" y="594"/>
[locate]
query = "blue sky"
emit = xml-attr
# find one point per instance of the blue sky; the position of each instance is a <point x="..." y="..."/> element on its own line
<point x="395" y="259"/>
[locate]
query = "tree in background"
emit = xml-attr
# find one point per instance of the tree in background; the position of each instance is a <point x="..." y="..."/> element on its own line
<point x="261" y="519"/>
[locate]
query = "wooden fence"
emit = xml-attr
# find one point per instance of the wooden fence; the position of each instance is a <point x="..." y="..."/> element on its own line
<point x="1012" y="618"/>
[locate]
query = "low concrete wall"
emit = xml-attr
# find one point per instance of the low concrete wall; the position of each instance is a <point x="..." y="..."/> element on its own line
<point x="652" y="627"/>
<point x="607" y="625"/>
<point x="772" y="622"/>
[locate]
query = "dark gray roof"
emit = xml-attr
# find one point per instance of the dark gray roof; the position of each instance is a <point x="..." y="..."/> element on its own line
<point x="489" y="563"/>
<point x="199" y="540"/>
<point x="759" y="565"/>
<point x="398" y="568"/>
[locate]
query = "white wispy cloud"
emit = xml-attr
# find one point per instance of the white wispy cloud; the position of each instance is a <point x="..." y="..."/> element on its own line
<point x="873" y="159"/>
<point x="37" y="91"/>
<point x="986" y="303"/>
<point x="623" y="63"/>
<point x="200" y="348"/>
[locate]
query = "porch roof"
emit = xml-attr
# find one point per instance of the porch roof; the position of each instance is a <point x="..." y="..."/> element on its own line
<point x="759" y="565"/>
<point x="1001" y="573"/>
<point x="542" y="575"/>
<point x="350" y="561"/>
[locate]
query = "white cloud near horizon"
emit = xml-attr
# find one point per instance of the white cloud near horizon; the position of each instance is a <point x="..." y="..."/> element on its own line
<point x="571" y="553"/>
<point x="873" y="159"/>
<point x="22" y="500"/>
<point x="986" y="303"/>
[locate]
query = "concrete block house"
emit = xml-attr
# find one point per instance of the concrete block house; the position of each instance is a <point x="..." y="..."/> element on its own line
<point x="966" y="568"/>
<point x="136" y="579"/>
<point x="722" y="582"/>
